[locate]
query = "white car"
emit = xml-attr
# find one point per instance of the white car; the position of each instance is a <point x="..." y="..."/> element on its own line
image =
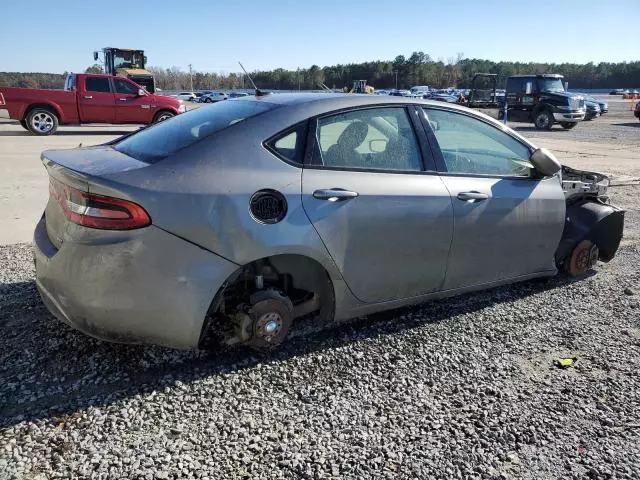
<point x="214" y="97"/>
<point x="189" y="96"/>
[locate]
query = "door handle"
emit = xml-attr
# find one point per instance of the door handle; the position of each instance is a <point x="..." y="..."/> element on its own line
<point x="334" y="194"/>
<point x="472" y="197"/>
<point x="122" y="99"/>
<point x="88" y="97"/>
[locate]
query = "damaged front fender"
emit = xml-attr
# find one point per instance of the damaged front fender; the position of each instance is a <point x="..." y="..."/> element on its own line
<point x="589" y="216"/>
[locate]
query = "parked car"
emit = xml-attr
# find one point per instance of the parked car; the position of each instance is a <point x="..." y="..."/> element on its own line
<point x="187" y="96"/>
<point x="214" y="97"/>
<point x="592" y="110"/>
<point x="86" y="98"/>
<point x="237" y="94"/>
<point x="617" y="91"/>
<point x="206" y="226"/>
<point x="636" y="111"/>
<point x="418" y="91"/>
<point x="604" y="106"/>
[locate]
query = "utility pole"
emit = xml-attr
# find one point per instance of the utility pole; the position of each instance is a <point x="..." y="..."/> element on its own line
<point x="298" y="78"/>
<point x="191" y="76"/>
<point x="396" y="72"/>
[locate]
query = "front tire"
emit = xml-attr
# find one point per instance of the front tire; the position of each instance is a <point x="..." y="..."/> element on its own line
<point x="543" y="120"/>
<point x="41" y="121"/>
<point x="162" y="116"/>
<point x="24" y="124"/>
<point x="568" y="125"/>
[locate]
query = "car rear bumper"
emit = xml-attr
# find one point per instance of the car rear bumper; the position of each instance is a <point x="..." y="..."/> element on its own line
<point x="141" y="286"/>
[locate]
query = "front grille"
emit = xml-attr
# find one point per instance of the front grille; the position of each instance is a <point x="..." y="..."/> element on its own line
<point x="576" y="103"/>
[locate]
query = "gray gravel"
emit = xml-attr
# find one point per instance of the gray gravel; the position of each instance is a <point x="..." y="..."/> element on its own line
<point x="463" y="388"/>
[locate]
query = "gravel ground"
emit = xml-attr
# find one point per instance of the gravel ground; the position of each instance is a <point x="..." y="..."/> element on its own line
<point x="462" y="388"/>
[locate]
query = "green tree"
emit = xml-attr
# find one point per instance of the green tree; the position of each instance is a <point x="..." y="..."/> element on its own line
<point x="95" y="68"/>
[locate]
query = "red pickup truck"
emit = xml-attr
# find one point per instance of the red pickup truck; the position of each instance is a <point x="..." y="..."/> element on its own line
<point x="87" y="98"/>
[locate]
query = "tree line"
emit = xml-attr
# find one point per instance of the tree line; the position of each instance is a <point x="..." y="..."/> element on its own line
<point x="402" y="72"/>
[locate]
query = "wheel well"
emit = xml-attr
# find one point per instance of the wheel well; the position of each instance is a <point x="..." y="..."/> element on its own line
<point x="305" y="281"/>
<point x="160" y="112"/>
<point x="45" y="106"/>
<point x="542" y="107"/>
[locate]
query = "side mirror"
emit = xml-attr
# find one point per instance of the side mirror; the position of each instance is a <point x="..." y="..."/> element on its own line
<point x="434" y="125"/>
<point x="141" y="92"/>
<point x="545" y="162"/>
<point x="95" y="56"/>
<point x="378" y="145"/>
<point x="528" y="88"/>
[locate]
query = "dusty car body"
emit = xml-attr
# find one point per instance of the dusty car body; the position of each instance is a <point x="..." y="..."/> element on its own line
<point x="242" y="217"/>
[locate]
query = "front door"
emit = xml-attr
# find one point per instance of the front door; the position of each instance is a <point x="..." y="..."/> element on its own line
<point x="508" y="222"/>
<point x="96" y="103"/>
<point x="520" y="98"/>
<point x="385" y="221"/>
<point x="130" y="107"/>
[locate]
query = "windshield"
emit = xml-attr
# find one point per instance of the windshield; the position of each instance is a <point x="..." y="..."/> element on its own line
<point x="551" y="85"/>
<point x="166" y="138"/>
<point x="128" y="59"/>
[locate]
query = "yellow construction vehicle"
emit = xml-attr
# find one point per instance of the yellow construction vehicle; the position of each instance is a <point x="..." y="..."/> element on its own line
<point x="360" y="86"/>
<point x="128" y="63"/>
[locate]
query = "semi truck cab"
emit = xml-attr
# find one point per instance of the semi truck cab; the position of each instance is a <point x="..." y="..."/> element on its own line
<point x="543" y="100"/>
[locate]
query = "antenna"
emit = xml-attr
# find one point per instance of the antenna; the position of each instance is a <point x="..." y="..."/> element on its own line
<point x="258" y="92"/>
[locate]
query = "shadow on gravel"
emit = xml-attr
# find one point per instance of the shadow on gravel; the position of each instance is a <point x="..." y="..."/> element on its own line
<point x="628" y="124"/>
<point x="85" y="132"/>
<point x="50" y="370"/>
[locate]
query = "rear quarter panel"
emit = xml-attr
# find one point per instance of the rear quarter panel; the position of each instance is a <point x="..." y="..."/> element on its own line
<point x="202" y="194"/>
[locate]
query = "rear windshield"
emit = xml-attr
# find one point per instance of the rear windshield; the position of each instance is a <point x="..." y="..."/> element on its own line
<point x="166" y="138"/>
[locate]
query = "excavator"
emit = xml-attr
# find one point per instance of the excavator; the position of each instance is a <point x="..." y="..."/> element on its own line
<point x="126" y="62"/>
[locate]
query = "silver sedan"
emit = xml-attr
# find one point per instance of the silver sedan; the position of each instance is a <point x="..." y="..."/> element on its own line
<point x="237" y="219"/>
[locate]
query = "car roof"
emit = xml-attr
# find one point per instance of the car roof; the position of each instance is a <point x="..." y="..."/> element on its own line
<point x="545" y="75"/>
<point x="309" y="104"/>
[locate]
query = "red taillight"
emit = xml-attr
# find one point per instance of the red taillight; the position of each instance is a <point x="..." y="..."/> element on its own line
<point x="98" y="211"/>
<point x="2" y="102"/>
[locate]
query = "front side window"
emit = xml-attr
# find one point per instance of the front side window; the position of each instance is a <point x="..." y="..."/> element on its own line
<point x="122" y="86"/>
<point x="97" y="84"/>
<point x="374" y="138"/>
<point x="471" y="146"/>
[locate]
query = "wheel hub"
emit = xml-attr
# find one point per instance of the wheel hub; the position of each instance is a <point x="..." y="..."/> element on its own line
<point x="42" y="122"/>
<point x="268" y="326"/>
<point x="266" y="322"/>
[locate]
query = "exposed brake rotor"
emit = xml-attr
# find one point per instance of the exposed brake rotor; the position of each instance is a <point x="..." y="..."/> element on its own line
<point x="266" y="322"/>
<point x="583" y="258"/>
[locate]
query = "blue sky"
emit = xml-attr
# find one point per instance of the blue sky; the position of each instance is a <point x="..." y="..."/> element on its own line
<point x="54" y="36"/>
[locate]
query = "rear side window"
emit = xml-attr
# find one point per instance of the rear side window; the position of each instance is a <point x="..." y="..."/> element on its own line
<point x="289" y="145"/>
<point x="166" y="138"/>
<point x="97" y="84"/>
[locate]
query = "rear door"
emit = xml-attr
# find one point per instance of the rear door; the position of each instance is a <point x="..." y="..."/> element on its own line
<point x="96" y="101"/>
<point x="384" y="215"/>
<point x="131" y="108"/>
<point x="508" y="221"/>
